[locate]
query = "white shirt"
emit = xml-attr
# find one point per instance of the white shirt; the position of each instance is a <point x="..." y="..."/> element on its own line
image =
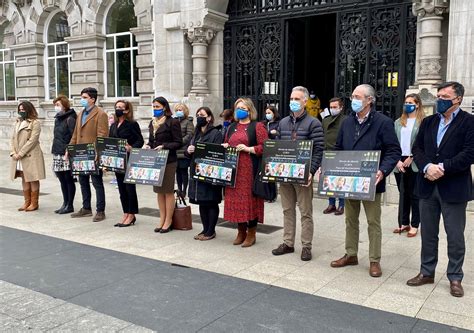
<point x="405" y="137"/>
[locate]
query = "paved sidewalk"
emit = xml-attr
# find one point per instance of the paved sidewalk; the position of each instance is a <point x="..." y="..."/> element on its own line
<point x="400" y="258"/>
<point x="83" y="288"/>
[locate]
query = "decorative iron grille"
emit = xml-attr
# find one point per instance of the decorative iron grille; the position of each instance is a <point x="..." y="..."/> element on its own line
<point x="376" y="41"/>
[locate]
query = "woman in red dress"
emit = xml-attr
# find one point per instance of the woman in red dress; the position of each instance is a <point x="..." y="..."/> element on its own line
<point x="240" y="206"/>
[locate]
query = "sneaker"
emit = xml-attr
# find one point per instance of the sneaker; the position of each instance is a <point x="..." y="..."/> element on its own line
<point x="306" y="254"/>
<point x="283" y="249"/>
<point x="100" y="216"/>
<point x="82" y="213"/>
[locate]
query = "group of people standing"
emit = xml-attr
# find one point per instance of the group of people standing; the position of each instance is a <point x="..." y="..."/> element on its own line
<point x="431" y="159"/>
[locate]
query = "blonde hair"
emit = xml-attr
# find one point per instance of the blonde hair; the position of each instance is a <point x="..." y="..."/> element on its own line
<point x="182" y="106"/>
<point x="419" y="110"/>
<point x="249" y="104"/>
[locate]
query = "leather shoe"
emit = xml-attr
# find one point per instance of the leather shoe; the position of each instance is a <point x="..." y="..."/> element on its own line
<point x="375" y="270"/>
<point x="330" y="209"/>
<point x="456" y="288"/>
<point x="283" y="249"/>
<point x="420" y="280"/>
<point x="306" y="254"/>
<point x="339" y="211"/>
<point x="345" y="261"/>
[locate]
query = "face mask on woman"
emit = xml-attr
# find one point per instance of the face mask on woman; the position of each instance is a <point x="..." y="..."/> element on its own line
<point x="22" y="114"/>
<point x="58" y="108"/>
<point x="119" y="113"/>
<point x="269" y="116"/>
<point x="201" y="121"/>
<point x="179" y="114"/>
<point x="409" y="108"/>
<point x="242" y="114"/>
<point x="158" y="112"/>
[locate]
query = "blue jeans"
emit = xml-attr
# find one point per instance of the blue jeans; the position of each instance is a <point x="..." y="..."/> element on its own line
<point x="332" y="202"/>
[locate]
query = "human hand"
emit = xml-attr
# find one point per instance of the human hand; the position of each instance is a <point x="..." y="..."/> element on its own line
<point x="310" y="180"/>
<point x="128" y="147"/>
<point x="434" y="172"/>
<point x="225" y="145"/>
<point x="408" y="162"/>
<point x="242" y="147"/>
<point x="159" y="147"/>
<point x="401" y="166"/>
<point x="274" y="132"/>
<point x="146" y="147"/>
<point x="191" y="149"/>
<point x="378" y="177"/>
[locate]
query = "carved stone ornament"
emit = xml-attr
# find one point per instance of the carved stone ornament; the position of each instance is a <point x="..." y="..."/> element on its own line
<point x="200" y="35"/>
<point x="22" y="3"/>
<point x="430" y="67"/>
<point x="424" y="8"/>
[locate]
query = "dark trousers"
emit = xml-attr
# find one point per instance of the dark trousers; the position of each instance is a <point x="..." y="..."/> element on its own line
<point x="128" y="195"/>
<point x="209" y="214"/>
<point x="454" y="218"/>
<point x="332" y="202"/>
<point x="408" y="201"/>
<point x="68" y="187"/>
<point x="182" y="179"/>
<point x="98" y="184"/>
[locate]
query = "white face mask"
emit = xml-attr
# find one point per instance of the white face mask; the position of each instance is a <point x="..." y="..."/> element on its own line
<point x="335" y="112"/>
<point x="58" y="108"/>
<point x="312" y="96"/>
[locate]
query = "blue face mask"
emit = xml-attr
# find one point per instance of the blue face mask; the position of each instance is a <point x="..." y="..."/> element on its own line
<point x="295" y="106"/>
<point x="409" y="108"/>
<point x="179" y="114"/>
<point x="357" y="105"/>
<point x="443" y="105"/>
<point x="158" y="112"/>
<point x="241" y="114"/>
<point x="269" y="116"/>
<point x="84" y="103"/>
<point x="226" y="123"/>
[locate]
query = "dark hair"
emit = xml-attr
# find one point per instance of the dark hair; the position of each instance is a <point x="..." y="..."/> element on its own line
<point x="64" y="102"/>
<point x="227" y="114"/>
<point x="30" y="110"/>
<point x="128" y="107"/>
<point x="91" y="91"/>
<point x="163" y="101"/>
<point x="457" y="87"/>
<point x="337" y="99"/>
<point x="208" y="112"/>
<point x="276" y="115"/>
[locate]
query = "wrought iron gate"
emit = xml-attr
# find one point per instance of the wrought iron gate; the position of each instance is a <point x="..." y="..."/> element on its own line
<point x="376" y="43"/>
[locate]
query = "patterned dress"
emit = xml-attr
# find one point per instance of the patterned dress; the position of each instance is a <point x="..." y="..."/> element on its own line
<point x="239" y="203"/>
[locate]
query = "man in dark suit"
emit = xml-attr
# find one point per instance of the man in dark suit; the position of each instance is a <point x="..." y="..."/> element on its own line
<point x="367" y="129"/>
<point x="444" y="152"/>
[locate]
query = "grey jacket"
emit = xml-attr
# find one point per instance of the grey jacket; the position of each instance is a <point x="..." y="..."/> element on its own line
<point x="304" y="127"/>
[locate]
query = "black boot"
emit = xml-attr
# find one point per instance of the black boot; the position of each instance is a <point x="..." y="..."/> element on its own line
<point x="60" y="208"/>
<point x="67" y="209"/>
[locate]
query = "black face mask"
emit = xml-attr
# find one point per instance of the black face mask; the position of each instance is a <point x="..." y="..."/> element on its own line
<point x="201" y="121"/>
<point x="119" y="113"/>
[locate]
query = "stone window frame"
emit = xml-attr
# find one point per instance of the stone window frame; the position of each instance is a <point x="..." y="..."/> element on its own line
<point x="131" y="49"/>
<point x="55" y="57"/>
<point x="3" y="64"/>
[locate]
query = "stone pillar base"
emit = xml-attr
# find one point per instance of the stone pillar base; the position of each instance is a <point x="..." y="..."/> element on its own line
<point x="194" y="101"/>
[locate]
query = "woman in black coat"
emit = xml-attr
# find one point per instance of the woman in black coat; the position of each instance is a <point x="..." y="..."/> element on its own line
<point x="207" y="196"/>
<point x="64" y="124"/>
<point x="272" y="119"/>
<point x="126" y="128"/>
<point x="165" y="133"/>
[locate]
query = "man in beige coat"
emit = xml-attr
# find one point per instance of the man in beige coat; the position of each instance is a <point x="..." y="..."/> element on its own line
<point x="91" y="122"/>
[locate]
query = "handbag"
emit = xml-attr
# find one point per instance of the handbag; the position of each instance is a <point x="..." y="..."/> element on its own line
<point x="182" y="219"/>
<point x="266" y="191"/>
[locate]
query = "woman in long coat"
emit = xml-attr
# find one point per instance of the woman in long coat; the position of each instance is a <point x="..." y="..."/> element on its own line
<point x="27" y="157"/>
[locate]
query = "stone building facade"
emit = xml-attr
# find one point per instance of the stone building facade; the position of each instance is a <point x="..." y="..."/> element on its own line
<point x="138" y="49"/>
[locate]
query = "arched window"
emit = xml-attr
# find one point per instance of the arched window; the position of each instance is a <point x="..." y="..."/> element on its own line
<point x="121" y="51"/>
<point x="7" y="70"/>
<point x="57" y="55"/>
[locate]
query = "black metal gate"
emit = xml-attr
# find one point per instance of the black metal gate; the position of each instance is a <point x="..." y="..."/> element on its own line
<point x="375" y="44"/>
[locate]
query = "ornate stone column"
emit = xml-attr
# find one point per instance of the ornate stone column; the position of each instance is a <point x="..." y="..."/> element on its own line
<point x="430" y="17"/>
<point x="199" y="39"/>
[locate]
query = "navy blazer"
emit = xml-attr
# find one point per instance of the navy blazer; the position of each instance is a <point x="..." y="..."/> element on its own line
<point x="377" y="134"/>
<point x="456" y="152"/>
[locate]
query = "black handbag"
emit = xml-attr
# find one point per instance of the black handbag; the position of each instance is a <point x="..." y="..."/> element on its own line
<point x="266" y="191"/>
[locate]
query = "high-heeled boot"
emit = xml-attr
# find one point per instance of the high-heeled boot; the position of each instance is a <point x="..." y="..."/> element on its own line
<point x="34" y="205"/>
<point x="27" y="196"/>
<point x="251" y="237"/>
<point x="242" y="233"/>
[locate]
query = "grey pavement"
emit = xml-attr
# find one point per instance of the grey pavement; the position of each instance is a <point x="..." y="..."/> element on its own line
<point x="64" y="286"/>
<point x="314" y="279"/>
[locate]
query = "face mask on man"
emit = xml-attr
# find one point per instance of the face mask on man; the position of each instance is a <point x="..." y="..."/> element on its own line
<point x="84" y="103"/>
<point x="335" y="112"/>
<point x="357" y="105"/>
<point x="443" y="105"/>
<point x="158" y="112"/>
<point x="241" y="114"/>
<point x="295" y="106"/>
<point x="409" y="108"/>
